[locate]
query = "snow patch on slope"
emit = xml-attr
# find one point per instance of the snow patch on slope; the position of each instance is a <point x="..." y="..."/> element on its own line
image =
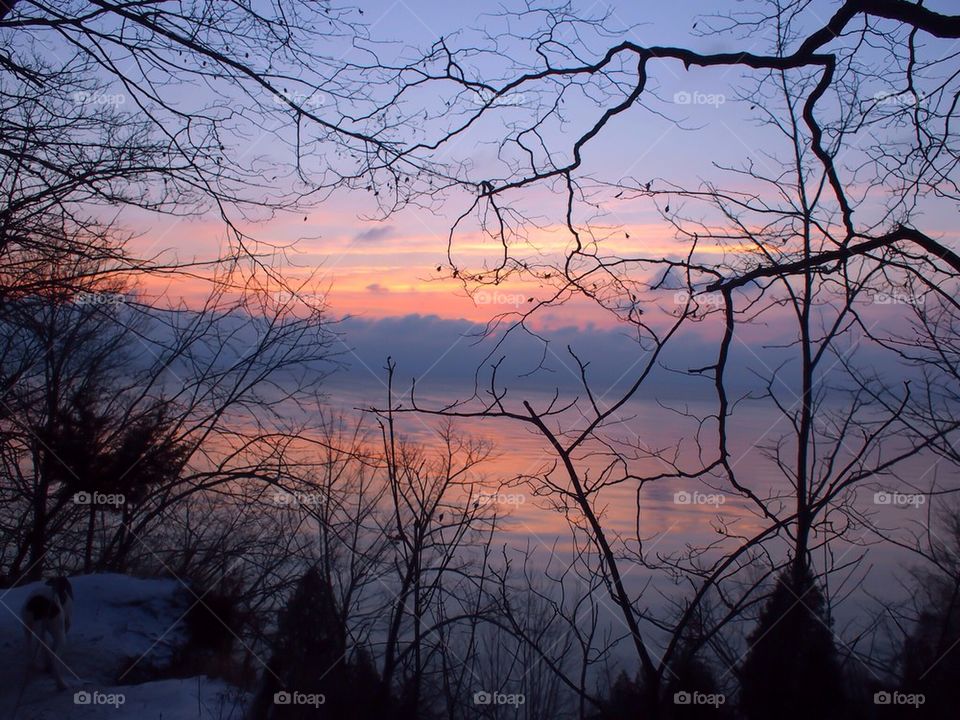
<point x="117" y="620"/>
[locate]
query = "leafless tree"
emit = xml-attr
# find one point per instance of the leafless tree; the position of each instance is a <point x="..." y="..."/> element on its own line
<point x="203" y="391"/>
<point x="93" y="115"/>
<point x="804" y="242"/>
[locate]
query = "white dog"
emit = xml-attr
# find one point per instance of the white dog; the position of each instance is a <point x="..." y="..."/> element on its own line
<point x="46" y="619"/>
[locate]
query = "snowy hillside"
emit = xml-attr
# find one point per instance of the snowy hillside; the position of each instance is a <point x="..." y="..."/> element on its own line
<point x="117" y="620"/>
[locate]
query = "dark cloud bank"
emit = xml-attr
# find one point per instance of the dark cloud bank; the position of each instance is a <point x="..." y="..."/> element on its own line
<point x="444" y="356"/>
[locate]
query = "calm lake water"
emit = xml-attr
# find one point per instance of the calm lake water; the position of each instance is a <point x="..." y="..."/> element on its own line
<point x="672" y="515"/>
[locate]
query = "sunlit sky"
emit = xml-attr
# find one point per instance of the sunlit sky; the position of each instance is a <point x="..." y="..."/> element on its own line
<point x="375" y="268"/>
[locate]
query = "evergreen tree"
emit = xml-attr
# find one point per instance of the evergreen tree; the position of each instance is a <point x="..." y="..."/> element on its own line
<point x="625" y="701"/>
<point x="309" y="662"/>
<point x="792" y="671"/>
<point x="931" y="654"/>
<point x="693" y="691"/>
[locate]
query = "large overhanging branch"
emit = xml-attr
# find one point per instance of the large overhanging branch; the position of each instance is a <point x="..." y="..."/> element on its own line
<point x="900" y="234"/>
<point x="810" y="54"/>
<point x="807" y="55"/>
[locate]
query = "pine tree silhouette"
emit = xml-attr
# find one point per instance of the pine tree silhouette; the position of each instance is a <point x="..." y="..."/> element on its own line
<point x="931" y="654"/>
<point x="625" y="701"/>
<point x="792" y="671"/>
<point x="309" y="658"/>
<point x="691" y="677"/>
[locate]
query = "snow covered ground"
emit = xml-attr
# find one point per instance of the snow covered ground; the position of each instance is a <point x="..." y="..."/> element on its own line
<point x="117" y="619"/>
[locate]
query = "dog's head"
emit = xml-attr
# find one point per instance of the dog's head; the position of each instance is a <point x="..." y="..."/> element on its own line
<point x="62" y="587"/>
